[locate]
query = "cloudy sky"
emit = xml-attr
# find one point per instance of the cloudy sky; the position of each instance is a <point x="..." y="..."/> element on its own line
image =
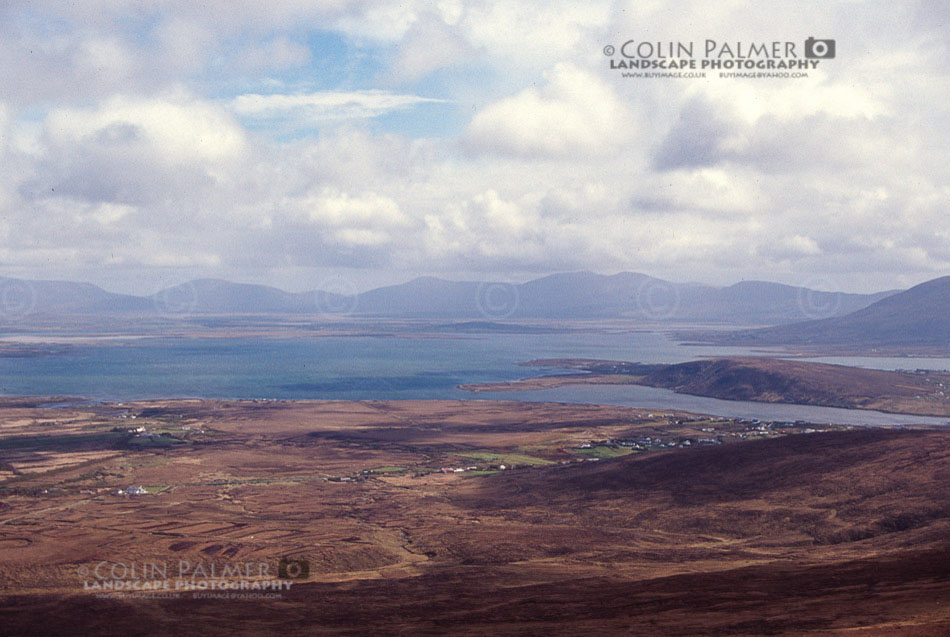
<point x="292" y="143"/>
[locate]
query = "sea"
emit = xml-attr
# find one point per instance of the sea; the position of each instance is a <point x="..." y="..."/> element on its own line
<point x="395" y="368"/>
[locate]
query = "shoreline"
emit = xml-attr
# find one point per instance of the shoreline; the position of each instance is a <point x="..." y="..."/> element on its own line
<point x="767" y="381"/>
<point x="60" y="403"/>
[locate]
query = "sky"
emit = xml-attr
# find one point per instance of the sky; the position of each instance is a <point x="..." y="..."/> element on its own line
<point x="353" y="143"/>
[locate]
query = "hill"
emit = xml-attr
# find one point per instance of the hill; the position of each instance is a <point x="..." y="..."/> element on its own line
<point x="575" y="295"/>
<point x="216" y="296"/>
<point x="19" y="297"/>
<point x="760" y="379"/>
<point x="807" y="383"/>
<point x="918" y="317"/>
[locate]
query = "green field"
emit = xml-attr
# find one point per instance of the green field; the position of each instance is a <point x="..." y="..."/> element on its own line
<point x="506" y="458"/>
<point x="605" y="452"/>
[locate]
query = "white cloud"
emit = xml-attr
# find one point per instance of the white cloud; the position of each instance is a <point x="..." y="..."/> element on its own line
<point x="178" y="129"/>
<point x="430" y="44"/>
<point x="797" y="100"/>
<point x="526" y="32"/>
<point x="799" y="245"/>
<point x="573" y="112"/>
<point x="364" y="237"/>
<point x="104" y="57"/>
<point x="4" y="127"/>
<point x="126" y="140"/>
<point x="381" y="21"/>
<point x="108" y="214"/>
<point x="339" y="209"/>
<point x="277" y="53"/>
<point x="313" y="109"/>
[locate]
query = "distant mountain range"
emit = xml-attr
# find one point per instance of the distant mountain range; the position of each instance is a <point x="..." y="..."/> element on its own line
<point x="577" y="295"/>
<point x="918" y="317"/>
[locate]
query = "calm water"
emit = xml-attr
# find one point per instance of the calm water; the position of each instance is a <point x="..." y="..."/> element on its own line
<point x="355" y="368"/>
<point x="664" y="399"/>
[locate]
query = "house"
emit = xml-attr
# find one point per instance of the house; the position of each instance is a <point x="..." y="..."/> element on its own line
<point x="136" y="490"/>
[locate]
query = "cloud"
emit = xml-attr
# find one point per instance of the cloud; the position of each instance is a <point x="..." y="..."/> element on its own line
<point x="523" y="32"/>
<point x="430" y="44"/>
<point x="708" y="134"/>
<point x="4" y="126"/>
<point x="299" y="111"/>
<point x="460" y="136"/>
<point x="177" y="129"/>
<point x="574" y="112"/>
<point x="134" y="150"/>
<point x="698" y="138"/>
<point x="276" y="53"/>
<point x="797" y="246"/>
<point x="339" y="209"/>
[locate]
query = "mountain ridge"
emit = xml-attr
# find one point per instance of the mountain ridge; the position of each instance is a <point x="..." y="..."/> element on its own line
<point x="565" y="295"/>
<point x="918" y="316"/>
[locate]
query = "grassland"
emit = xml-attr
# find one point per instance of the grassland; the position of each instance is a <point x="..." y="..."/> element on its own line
<point x="508" y="459"/>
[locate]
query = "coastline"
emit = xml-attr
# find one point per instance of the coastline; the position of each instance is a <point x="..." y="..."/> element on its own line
<point x="756" y="380"/>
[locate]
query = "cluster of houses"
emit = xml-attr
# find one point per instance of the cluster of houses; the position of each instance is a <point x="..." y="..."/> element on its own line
<point x="646" y="443"/>
<point x="142" y="432"/>
<point x="133" y="490"/>
<point x="753" y="428"/>
<point x="498" y="467"/>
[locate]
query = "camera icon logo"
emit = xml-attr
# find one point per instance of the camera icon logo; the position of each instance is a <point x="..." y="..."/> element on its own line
<point x="819" y="49"/>
<point x="293" y="569"/>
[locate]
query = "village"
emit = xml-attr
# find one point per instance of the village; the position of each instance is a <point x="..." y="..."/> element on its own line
<point x="714" y="431"/>
<point x="159" y="434"/>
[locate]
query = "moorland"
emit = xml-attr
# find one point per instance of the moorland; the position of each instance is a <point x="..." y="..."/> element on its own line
<point x="475" y="517"/>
